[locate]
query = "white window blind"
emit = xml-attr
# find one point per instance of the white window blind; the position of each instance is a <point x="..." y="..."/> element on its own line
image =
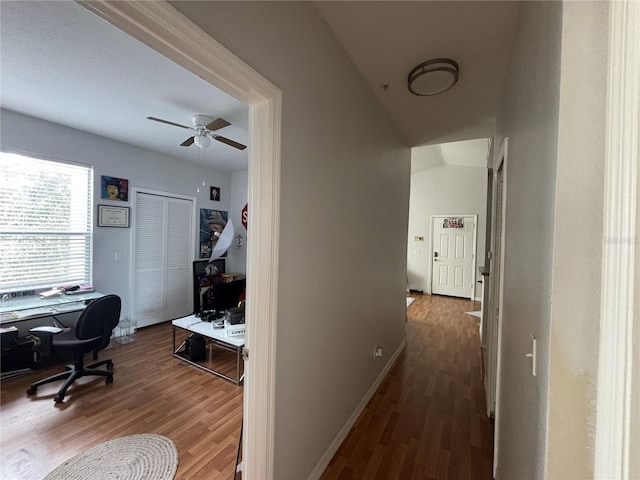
<point x="45" y="223"/>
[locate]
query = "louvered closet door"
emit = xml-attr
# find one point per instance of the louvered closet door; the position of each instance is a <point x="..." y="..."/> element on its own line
<point x="162" y="258"/>
<point x="178" y="296"/>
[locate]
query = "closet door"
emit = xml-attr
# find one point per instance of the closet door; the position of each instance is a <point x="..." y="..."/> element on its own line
<point x="163" y="248"/>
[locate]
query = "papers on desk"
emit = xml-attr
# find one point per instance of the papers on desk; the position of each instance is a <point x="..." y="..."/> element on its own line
<point x="69" y="307"/>
<point x="51" y="293"/>
<point x="34" y="312"/>
<point x="8" y="316"/>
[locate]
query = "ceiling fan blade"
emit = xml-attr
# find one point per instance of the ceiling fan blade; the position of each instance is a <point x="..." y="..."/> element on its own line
<point x="231" y="143"/>
<point x="188" y="142"/>
<point x="217" y="124"/>
<point x="167" y="122"/>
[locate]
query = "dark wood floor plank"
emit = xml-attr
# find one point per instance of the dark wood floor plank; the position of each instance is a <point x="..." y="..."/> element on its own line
<point x="428" y="418"/>
<point x="152" y="392"/>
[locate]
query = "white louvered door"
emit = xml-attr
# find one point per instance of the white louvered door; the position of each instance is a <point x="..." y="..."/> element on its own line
<point x="163" y="249"/>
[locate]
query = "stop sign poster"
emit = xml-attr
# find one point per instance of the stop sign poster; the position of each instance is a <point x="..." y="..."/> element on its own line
<point x="245" y="214"/>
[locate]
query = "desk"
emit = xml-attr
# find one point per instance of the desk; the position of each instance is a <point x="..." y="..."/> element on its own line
<point x="34" y="306"/>
<point x="215" y="336"/>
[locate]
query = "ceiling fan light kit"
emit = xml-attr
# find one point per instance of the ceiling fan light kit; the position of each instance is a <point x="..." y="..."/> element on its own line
<point x="203" y="128"/>
<point x="433" y="77"/>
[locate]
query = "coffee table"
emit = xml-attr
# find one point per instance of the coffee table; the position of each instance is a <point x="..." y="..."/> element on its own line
<point x="216" y="337"/>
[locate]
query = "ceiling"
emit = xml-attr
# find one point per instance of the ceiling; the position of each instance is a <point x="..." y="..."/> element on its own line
<point x="63" y="64"/>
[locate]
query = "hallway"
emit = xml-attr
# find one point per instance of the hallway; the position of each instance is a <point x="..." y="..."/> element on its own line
<point x="428" y="418"/>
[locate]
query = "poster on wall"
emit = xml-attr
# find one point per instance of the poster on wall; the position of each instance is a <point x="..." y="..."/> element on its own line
<point x="212" y="223"/>
<point x="453" y="222"/>
<point x="113" y="188"/>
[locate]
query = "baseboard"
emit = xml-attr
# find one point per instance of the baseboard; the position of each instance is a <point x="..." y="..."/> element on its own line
<point x="317" y="472"/>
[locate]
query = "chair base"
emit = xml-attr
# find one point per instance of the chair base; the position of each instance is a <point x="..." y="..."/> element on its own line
<point x="71" y="374"/>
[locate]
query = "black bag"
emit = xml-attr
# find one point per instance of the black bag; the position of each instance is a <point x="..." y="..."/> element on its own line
<point x="196" y="346"/>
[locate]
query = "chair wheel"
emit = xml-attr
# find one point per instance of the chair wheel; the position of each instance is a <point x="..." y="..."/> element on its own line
<point x="32" y="390"/>
<point x="108" y="380"/>
<point x="110" y="366"/>
<point x="58" y="399"/>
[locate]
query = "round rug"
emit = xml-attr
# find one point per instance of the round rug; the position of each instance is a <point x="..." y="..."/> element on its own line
<point x="136" y="457"/>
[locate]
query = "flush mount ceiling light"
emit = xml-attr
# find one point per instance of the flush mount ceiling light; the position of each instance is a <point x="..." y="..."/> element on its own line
<point x="433" y="77"/>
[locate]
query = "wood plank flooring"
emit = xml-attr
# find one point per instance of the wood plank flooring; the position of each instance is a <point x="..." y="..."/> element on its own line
<point x="152" y="392"/>
<point x="428" y="418"/>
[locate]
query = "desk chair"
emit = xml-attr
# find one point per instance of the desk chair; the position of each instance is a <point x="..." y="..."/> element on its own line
<point x="92" y="333"/>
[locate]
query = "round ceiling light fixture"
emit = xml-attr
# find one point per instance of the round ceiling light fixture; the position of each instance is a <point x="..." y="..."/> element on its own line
<point x="202" y="140"/>
<point x="433" y="77"/>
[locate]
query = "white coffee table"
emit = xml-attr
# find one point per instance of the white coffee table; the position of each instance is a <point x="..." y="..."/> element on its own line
<point x="218" y="337"/>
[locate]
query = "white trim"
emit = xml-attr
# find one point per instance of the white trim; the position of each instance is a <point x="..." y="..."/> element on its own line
<point x="320" y="467"/>
<point x="620" y="246"/>
<point x="500" y="165"/>
<point x="164" y="29"/>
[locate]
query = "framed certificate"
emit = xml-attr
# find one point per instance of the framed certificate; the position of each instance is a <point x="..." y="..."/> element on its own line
<point x="110" y="216"/>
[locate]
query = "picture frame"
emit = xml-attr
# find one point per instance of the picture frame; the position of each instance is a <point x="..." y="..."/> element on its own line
<point x="214" y="194"/>
<point x="113" y="188"/>
<point x="113" y="216"/>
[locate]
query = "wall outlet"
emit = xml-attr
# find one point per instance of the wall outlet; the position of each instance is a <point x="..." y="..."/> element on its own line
<point x="377" y="352"/>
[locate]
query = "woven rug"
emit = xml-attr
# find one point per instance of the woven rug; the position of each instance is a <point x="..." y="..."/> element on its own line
<point x="136" y="457"/>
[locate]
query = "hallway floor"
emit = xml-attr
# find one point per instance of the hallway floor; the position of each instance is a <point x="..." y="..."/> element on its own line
<point x="428" y="418"/>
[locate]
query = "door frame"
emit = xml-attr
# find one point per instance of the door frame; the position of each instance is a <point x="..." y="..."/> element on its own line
<point x="474" y="266"/>
<point x="497" y="293"/>
<point x="163" y="28"/>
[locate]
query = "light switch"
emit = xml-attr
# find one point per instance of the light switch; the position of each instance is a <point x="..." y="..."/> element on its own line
<point x="117" y="256"/>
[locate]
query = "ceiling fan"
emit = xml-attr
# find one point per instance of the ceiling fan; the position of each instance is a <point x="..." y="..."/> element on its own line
<point x="203" y="128"/>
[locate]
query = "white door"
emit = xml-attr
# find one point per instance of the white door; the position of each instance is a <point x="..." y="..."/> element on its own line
<point x="164" y="240"/>
<point x="453" y="255"/>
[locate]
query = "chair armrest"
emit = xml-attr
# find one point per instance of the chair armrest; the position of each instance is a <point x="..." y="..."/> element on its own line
<point x="42" y="337"/>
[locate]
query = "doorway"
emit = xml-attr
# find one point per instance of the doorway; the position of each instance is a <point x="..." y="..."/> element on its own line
<point x="453" y="259"/>
<point x="163" y="28"/>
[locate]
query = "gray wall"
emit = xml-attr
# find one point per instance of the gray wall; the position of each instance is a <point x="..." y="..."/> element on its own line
<point x="447" y="189"/>
<point x="344" y="197"/>
<point x="553" y="115"/>
<point x="141" y="167"/>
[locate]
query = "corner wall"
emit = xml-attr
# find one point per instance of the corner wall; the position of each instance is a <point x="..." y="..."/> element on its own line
<point x="530" y="120"/>
<point x="345" y="175"/>
<point x="554" y="114"/>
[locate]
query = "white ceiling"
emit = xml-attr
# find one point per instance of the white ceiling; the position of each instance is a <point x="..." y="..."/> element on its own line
<point x="66" y="65"/>
<point x="467" y="153"/>
<point x="385" y="40"/>
<point x="63" y="64"/>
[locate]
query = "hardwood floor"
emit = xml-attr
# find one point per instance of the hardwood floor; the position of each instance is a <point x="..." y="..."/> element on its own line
<point x="428" y="418"/>
<point x="152" y="392"/>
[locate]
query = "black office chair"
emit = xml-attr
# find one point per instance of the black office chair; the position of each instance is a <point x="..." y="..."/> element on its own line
<point x="92" y="333"/>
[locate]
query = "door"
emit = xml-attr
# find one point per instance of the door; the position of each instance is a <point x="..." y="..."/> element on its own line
<point x="164" y="241"/>
<point x="453" y="255"/>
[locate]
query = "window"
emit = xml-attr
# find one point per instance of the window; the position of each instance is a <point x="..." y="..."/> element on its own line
<point x="45" y="223"/>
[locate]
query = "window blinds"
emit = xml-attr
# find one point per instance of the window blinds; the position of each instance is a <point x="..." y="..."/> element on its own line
<point x="45" y="223"/>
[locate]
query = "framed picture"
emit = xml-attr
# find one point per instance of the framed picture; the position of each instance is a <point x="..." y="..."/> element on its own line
<point x="110" y="216"/>
<point x="212" y="223"/>
<point x="112" y="188"/>
<point x="215" y="194"/>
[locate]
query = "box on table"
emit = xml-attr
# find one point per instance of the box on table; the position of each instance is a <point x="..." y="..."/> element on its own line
<point x="232" y="330"/>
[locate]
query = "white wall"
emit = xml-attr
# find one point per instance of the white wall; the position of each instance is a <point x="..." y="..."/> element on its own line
<point x="141" y="167"/>
<point x="553" y="115"/>
<point x="236" y="257"/>
<point x="447" y="189"/>
<point x="344" y="208"/>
